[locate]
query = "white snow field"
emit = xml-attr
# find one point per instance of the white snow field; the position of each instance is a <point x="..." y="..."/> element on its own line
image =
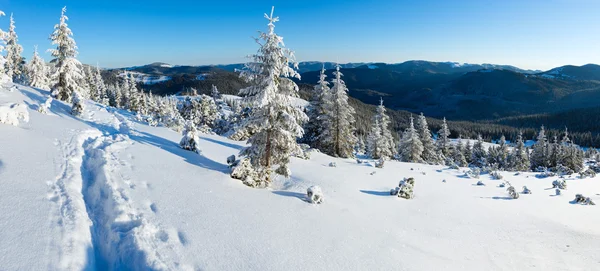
<point x="103" y="192"/>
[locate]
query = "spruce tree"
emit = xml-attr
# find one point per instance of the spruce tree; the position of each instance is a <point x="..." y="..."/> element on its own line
<point x="316" y="112"/>
<point x="443" y="141"/>
<point x="458" y="154"/>
<point x="380" y="140"/>
<point x="277" y="121"/>
<point x="3" y="76"/>
<point x="539" y="155"/>
<point x="520" y="158"/>
<point x="411" y="148"/>
<point x="430" y="153"/>
<point x="479" y="156"/>
<point x="468" y="152"/>
<point x="67" y="72"/>
<point x="338" y="137"/>
<point x="14" y="60"/>
<point x="101" y="89"/>
<point x="37" y="72"/>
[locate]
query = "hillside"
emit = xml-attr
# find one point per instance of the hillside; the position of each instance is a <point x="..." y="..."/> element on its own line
<point x="105" y="192"/>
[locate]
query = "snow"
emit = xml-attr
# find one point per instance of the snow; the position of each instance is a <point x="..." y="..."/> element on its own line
<point x="13" y="114"/>
<point x="81" y="193"/>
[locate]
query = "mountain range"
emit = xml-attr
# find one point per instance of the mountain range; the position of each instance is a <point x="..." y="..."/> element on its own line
<point x="471" y="92"/>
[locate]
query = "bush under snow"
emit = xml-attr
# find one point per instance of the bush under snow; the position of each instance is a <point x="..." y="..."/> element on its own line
<point x="512" y="191"/>
<point x="581" y="199"/>
<point x="45" y="107"/>
<point x="404" y="189"/>
<point x="12" y="114"/>
<point x="314" y="194"/>
<point x="190" y="138"/>
<point x="560" y="184"/>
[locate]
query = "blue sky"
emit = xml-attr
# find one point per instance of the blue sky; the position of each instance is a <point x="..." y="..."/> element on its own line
<point x="532" y="34"/>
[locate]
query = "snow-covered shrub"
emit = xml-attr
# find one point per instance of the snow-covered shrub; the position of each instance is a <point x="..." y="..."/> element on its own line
<point x="452" y="165"/>
<point x="12" y="114"/>
<point x="304" y="152"/>
<point x="190" y="138"/>
<point x="541" y="169"/>
<point x="560" y="184"/>
<point x="581" y="199"/>
<point x="379" y="164"/>
<point x="526" y="190"/>
<point x="45" y="107"/>
<point x="231" y="161"/>
<point x="473" y="173"/>
<point x="480" y="183"/>
<point x="587" y="173"/>
<point x="563" y="170"/>
<point x="512" y="191"/>
<point x="405" y="188"/>
<point x="545" y="174"/>
<point x="314" y="194"/>
<point x="242" y="170"/>
<point x="332" y="164"/>
<point x="78" y="104"/>
<point x="557" y="192"/>
<point x="496" y="175"/>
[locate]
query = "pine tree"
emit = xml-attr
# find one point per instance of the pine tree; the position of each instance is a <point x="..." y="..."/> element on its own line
<point x="554" y="152"/>
<point x="208" y="111"/>
<point x="101" y="89"/>
<point x="216" y="95"/>
<point x="316" y="111"/>
<point x="277" y="121"/>
<point x="443" y="141"/>
<point x="520" y="158"/>
<point x="14" y="60"/>
<point x="338" y="137"/>
<point x="430" y="154"/>
<point x="479" y="156"/>
<point x="67" y="67"/>
<point x="380" y="143"/>
<point x="411" y="148"/>
<point x="458" y="154"/>
<point x="539" y="155"/>
<point x="37" y="72"/>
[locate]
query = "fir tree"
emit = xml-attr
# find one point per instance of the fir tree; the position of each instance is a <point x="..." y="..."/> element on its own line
<point x="539" y="155"/>
<point x="479" y="156"/>
<point x="67" y="67"/>
<point x="37" y="72"/>
<point x="2" y="58"/>
<point x="443" y="141"/>
<point x="316" y="112"/>
<point x="338" y="137"/>
<point x="14" y="60"/>
<point x="468" y="152"/>
<point x="430" y="154"/>
<point x="520" y="158"/>
<point x="380" y="143"/>
<point x="411" y="148"/>
<point x="277" y="121"/>
<point x="101" y="89"/>
<point x="458" y="154"/>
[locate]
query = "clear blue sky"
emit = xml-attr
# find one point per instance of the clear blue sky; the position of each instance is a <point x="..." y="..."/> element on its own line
<point x="534" y="34"/>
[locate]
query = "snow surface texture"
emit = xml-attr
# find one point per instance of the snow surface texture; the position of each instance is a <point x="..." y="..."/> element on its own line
<point x="13" y="114"/>
<point x="84" y="193"/>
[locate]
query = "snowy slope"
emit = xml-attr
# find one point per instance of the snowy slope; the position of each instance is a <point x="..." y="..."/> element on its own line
<point x="102" y="192"/>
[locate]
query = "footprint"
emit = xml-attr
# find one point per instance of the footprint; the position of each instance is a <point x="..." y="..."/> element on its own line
<point x="182" y="238"/>
<point x="153" y="207"/>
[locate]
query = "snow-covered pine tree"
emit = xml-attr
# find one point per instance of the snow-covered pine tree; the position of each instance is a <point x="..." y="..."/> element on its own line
<point x="208" y="111"/>
<point x="443" y="141"/>
<point x="539" y="154"/>
<point x="554" y="152"/>
<point x="101" y="89"/>
<point x="3" y="76"/>
<point x="570" y="155"/>
<point x="338" y="136"/>
<point x="411" y="148"/>
<point x="316" y="112"/>
<point x="468" y="152"/>
<point x="37" y="72"/>
<point x="479" y="155"/>
<point x="277" y="121"/>
<point x="14" y="60"/>
<point x="520" y="158"/>
<point x="380" y="142"/>
<point x="78" y="104"/>
<point x="373" y="140"/>
<point x="190" y="138"/>
<point x="67" y="72"/>
<point x="458" y="154"/>
<point x="216" y="95"/>
<point x="430" y="154"/>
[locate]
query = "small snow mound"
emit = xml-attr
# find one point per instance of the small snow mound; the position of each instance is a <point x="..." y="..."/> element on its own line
<point x="315" y="195"/>
<point x="13" y="114"/>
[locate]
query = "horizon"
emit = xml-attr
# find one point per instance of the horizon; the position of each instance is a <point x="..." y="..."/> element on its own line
<point x="187" y="33"/>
